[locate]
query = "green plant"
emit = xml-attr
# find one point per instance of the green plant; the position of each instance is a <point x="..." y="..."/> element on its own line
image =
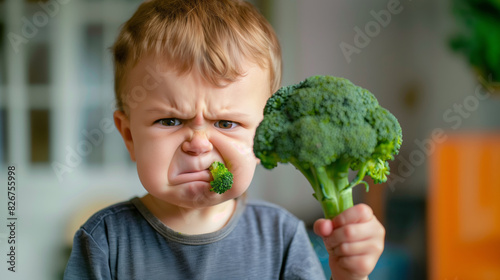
<point x="479" y="36"/>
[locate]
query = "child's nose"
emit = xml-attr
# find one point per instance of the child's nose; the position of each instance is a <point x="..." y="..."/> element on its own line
<point x="198" y="144"/>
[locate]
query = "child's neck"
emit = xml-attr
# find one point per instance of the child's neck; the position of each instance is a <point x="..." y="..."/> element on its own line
<point x="191" y="220"/>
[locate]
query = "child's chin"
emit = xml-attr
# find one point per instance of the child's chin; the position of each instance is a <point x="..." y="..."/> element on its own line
<point x="199" y="192"/>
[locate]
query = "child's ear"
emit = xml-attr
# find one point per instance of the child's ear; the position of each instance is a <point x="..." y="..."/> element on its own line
<point x="122" y="123"/>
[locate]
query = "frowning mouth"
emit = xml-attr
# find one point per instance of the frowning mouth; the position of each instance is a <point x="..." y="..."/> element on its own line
<point x="192" y="176"/>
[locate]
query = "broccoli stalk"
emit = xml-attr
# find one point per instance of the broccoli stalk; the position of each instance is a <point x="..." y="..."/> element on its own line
<point x="222" y="178"/>
<point x="330" y="188"/>
<point x="326" y="126"/>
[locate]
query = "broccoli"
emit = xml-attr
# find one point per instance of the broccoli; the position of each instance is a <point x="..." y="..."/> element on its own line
<point x="222" y="178"/>
<point x="326" y="126"/>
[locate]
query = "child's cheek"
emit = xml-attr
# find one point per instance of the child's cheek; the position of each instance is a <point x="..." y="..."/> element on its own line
<point x="152" y="165"/>
<point x="241" y="162"/>
<point x="244" y="150"/>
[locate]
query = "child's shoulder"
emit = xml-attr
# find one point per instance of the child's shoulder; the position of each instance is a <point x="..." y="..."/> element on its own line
<point x="115" y="212"/>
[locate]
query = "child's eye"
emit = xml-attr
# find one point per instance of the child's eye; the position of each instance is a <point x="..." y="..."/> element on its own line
<point x="170" y="122"/>
<point x="225" y="124"/>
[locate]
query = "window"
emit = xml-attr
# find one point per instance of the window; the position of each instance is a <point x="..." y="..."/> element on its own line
<point x="56" y="84"/>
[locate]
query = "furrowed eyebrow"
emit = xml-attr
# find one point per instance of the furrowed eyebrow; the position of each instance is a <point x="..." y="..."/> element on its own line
<point x="166" y="111"/>
<point x="218" y="116"/>
<point x="231" y="115"/>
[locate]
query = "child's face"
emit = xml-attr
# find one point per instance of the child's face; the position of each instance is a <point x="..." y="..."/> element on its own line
<point x="179" y="125"/>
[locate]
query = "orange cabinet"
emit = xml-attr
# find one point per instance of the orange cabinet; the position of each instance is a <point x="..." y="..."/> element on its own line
<point x="464" y="208"/>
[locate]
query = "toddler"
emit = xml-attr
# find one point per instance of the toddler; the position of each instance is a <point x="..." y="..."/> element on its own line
<point x="191" y="81"/>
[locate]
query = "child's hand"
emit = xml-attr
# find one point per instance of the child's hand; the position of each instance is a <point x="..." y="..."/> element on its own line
<point x="354" y="240"/>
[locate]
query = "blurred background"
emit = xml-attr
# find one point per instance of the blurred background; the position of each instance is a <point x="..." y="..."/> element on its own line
<point x="434" y="64"/>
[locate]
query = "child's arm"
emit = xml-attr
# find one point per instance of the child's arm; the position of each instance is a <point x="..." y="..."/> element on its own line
<point x="354" y="240"/>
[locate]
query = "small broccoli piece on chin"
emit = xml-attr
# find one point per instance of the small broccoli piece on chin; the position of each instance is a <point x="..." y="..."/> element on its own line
<point x="222" y="178"/>
<point x="326" y="126"/>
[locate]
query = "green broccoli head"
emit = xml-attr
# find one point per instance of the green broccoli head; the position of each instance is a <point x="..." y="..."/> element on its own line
<point x="328" y="123"/>
<point x="222" y="178"/>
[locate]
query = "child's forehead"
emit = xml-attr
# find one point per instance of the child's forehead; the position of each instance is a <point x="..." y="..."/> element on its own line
<point x="151" y="68"/>
<point x="184" y="95"/>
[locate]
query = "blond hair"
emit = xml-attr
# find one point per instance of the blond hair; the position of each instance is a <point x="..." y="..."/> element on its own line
<point x="213" y="37"/>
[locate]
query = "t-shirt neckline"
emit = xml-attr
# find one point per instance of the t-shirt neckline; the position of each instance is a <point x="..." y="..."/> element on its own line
<point x="190" y="239"/>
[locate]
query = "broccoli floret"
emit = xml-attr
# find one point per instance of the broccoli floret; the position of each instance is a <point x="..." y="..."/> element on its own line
<point x="222" y="178"/>
<point x="326" y="126"/>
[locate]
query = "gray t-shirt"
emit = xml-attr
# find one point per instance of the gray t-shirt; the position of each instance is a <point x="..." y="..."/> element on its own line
<point x="125" y="241"/>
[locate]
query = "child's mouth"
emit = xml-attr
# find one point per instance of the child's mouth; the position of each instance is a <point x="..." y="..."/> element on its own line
<point x="191" y="176"/>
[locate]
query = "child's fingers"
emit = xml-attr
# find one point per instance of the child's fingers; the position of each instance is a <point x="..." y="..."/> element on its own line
<point x="355" y="232"/>
<point x="357" y="214"/>
<point x="361" y="264"/>
<point x="349" y="233"/>
<point x="323" y="227"/>
<point x="365" y="247"/>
